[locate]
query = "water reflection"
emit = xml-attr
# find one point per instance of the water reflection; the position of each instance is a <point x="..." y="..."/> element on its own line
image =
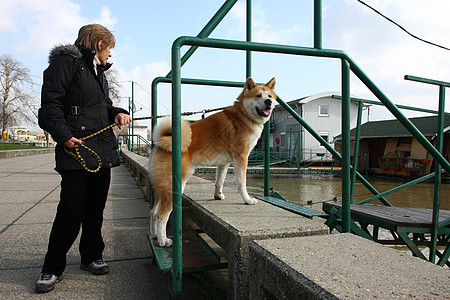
<point x="303" y="189"/>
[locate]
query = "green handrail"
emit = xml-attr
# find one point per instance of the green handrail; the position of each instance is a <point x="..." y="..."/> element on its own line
<point x="347" y="65"/>
<point x="131" y="142"/>
<point x="287" y="49"/>
<point x="345" y="146"/>
<point x="356" y="151"/>
<point x="295" y="50"/>
<point x="425" y="110"/>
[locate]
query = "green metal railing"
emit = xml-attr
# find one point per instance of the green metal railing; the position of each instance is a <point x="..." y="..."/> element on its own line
<point x="287" y="159"/>
<point x="347" y="66"/>
<point x="439" y="147"/>
<point x="135" y="143"/>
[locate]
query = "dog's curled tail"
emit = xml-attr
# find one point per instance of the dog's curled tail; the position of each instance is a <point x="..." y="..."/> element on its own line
<point x="162" y="135"/>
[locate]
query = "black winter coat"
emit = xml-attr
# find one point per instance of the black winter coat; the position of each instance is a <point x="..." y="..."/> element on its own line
<point x="75" y="103"/>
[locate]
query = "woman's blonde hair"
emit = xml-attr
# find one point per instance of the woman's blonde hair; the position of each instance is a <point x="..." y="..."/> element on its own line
<point x="89" y="36"/>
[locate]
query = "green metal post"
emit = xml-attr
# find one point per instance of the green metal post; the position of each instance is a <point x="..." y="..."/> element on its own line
<point x="318" y="24"/>
<point x="439" y="147"/>
<point x="176" y="172"/>
<point x="129" y="126"/>
<point x="154" y="104"/>
<point x="248" y="61"/>
<point x="345" y="146"/>
<point x="267" y="158"/>
<point x="356" y="151"/>
<point x="154" y="107"/>
<point x="132" y="116"/>
<point x="437" y="179"/>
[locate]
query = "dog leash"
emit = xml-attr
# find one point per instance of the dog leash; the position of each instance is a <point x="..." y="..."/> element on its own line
<point x="76" y="152"/>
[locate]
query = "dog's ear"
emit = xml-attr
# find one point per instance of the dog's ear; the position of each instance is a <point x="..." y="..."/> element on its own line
<point x="249" y="84"/>
<point x="271" y="83"/>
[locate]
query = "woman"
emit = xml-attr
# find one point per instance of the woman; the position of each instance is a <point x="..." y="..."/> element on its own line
<point x="75" y="104"/>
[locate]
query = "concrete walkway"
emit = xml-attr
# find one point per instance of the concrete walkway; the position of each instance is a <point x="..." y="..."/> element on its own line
<point x="29" y="195"/>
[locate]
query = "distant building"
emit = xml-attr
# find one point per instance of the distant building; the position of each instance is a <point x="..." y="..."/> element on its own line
<point x="387" y="147"/>
<point x="289" y="141"/>
<point x="136" y="138"/>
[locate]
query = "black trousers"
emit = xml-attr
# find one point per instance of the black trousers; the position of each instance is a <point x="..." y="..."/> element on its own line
<point x="82" y="201"/>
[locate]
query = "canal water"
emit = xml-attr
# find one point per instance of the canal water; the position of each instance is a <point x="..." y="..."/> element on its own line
<point x="312" y="190"/>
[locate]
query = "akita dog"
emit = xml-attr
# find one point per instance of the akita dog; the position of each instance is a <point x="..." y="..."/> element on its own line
<point x="220" y="139"/>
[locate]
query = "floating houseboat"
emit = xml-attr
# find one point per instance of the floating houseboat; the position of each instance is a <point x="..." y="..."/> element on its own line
<point x="388" y="148"/>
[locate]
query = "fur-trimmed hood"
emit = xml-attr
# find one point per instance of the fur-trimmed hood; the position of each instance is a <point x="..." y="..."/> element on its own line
<point x="69" y="49"/>
<point x="77" y="52"/>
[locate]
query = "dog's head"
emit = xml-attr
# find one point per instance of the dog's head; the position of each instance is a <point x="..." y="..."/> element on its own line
<point x="258" y="100"/>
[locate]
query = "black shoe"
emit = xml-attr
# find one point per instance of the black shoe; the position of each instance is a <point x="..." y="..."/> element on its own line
<point x="46" y="282"/>
<point x="98" y="267"/>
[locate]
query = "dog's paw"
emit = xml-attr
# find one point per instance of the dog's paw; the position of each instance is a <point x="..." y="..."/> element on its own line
<point x="165" y="242"/>
<point x="251" y="201"/>
<point x="219" y="196"/>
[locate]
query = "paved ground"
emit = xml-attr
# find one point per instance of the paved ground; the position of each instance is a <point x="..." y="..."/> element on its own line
<point x="29" y="194"/>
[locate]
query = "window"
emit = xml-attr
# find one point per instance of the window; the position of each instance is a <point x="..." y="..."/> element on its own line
<point x="283" y="139"/>
<point x="325" y="135"/>
<point x="324" y="110"/>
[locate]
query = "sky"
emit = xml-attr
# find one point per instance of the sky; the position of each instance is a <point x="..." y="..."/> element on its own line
<point x="145" y="31"/>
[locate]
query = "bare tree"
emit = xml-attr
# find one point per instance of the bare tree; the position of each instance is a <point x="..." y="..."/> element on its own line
<point x="13" y="98"/>
<point x="113" y="86"/>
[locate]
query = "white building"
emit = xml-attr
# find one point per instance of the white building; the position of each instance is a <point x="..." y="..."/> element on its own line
<point x="323" y="112"/>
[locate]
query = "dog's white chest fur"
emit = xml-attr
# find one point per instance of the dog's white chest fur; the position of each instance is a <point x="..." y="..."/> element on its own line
<point x="253" y="138"/>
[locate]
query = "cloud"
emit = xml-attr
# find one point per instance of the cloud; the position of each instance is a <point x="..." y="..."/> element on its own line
<point x="386" y="53"/>
<point x="8" y="15"/>
<point x="106" y="19"/>
<point x="45" y="23"/>
<point x="142" y="76"/>
<point x="264" y="27"/>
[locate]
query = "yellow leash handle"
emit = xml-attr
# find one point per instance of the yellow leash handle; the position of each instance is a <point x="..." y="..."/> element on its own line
<point x="77" y="154"/>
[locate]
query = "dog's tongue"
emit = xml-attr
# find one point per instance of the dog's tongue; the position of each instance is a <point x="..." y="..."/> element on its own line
<point x="266" y="111"/>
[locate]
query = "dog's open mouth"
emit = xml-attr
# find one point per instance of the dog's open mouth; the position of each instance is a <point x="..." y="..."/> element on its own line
<point x="263" y="112"/>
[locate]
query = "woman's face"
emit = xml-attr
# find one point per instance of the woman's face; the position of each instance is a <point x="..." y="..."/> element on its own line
<point x="103" y="53"/>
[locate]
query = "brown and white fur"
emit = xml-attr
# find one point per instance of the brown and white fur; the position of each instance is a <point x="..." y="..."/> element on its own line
<point x="220" y="139"/>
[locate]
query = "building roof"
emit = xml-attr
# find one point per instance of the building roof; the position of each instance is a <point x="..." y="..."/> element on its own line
<point x="393" y="128"/>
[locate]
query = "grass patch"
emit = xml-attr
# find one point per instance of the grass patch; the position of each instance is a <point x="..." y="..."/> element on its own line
<point x="10" y="146"/>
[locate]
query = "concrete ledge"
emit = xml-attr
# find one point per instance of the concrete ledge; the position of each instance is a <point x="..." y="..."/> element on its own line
<point x="24" y="152"/>
<point x="138" y="166"/>
<point x="233" y="225"/>
<point x="341" y="266"/>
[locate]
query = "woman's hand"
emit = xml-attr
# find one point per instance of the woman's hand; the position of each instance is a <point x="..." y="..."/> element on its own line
<point x="71" y="143"/>
<point x="122" y="119"/>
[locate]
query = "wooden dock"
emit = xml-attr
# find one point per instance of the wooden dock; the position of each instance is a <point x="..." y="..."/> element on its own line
<point x="408" y="226"/>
